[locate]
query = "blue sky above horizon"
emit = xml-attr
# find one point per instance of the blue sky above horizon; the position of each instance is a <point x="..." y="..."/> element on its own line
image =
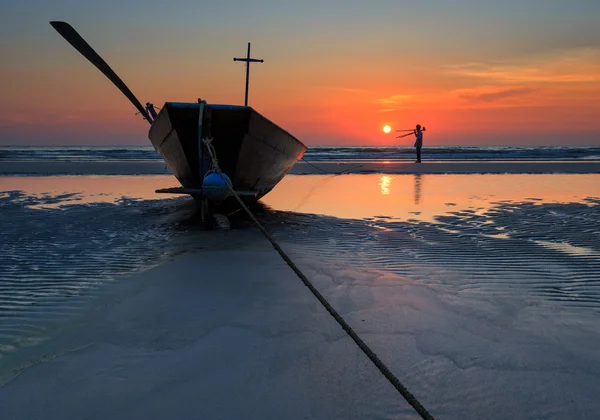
<point x="335" y="72"/>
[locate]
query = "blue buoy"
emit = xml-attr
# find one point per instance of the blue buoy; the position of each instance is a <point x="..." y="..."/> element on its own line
<point x="214" y="187"/>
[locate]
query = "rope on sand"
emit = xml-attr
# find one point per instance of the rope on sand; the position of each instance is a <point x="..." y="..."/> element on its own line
<point x="329" y="172"/>
<point x="410" y="398"/>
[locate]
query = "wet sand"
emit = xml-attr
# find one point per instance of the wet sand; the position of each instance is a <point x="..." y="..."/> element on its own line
<point x="456" y="167"/>
<point x="480" y="292"/>
<point x="220" y="335"/>
<point x="40" y="168"/>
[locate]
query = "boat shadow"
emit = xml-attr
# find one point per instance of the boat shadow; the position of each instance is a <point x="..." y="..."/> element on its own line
<point x="189" y="217"/>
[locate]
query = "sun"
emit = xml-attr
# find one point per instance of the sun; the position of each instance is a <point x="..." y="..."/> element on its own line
<point x="387" y="129"/>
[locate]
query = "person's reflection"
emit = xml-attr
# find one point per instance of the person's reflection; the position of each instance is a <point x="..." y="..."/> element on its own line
<point x="418" y="181"/>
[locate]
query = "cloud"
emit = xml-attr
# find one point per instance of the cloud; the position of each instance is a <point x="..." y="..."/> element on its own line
<point x="17" y="119"/>
<point x="346" y="89"/>
<point x="51" y="118"/>
<point x="498" y="95"/>
<point x="478" y="97"/>
<point x="394" y="102"/>
<point x="567" y="66"/>
<point x="552" y="79"/>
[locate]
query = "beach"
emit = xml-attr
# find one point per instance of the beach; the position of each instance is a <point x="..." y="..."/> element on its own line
<point x="107" y="167"/>
<point x="478" y="289"/>
<point x="397" y="216"/>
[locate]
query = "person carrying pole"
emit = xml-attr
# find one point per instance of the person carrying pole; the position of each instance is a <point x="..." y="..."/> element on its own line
<point x="418" y="133"/>
<point x="418" y="142"/>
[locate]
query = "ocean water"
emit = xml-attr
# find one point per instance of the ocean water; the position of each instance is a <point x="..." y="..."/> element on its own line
<point x="314" y="153"/>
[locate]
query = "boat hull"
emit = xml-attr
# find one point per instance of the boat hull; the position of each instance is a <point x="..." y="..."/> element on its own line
<point x="254" y="152"/>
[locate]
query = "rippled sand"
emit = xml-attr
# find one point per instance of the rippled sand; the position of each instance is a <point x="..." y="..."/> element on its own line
<point x="480" y="292"/>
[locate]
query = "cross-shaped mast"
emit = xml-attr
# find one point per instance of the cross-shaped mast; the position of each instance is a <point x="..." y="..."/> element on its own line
<point x="248" y="60"/>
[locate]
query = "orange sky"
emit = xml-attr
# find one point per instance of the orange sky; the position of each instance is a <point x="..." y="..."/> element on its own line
<point x="330" y="76"/>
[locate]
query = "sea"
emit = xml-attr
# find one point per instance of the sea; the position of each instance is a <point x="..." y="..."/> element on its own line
<point x="315" y="153"/>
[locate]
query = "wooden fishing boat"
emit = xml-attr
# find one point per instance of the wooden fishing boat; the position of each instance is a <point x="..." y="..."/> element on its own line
<point x="253" y="153"/>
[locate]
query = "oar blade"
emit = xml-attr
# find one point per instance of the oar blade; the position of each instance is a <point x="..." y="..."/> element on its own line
<point x="73" y="38"/>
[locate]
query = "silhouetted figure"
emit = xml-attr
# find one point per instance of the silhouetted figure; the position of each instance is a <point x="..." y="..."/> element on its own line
<point x="418" y="142"/>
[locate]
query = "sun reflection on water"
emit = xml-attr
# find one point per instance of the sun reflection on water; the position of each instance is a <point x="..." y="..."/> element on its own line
<point x="384" y="184"/>
<point x="421" y="197"/>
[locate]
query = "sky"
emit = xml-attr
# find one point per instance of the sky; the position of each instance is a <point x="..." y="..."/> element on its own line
<point x="473" y="72"/>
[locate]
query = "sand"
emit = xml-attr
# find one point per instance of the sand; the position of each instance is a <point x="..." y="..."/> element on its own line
<point x="480" y="292"/>
<point x="457" y="167"/>
<point x="83" y="168"/>
<point x="362" y="167"/>
<point x="215" y="335"/>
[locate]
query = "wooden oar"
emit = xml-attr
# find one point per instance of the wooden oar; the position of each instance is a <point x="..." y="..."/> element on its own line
<point x="88" y="52"/>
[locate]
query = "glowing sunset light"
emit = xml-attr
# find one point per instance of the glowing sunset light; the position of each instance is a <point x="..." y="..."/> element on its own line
<point x="526" y="85"/>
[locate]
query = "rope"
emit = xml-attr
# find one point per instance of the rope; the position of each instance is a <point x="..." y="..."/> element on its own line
<point x="410" y="398"/>
<point x="213" y="154"/>
<point x="155" y="108"/>
<point x="329" y="172"/>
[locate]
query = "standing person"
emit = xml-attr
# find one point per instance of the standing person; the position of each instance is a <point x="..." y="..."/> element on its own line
<point x="418" y="142"/>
